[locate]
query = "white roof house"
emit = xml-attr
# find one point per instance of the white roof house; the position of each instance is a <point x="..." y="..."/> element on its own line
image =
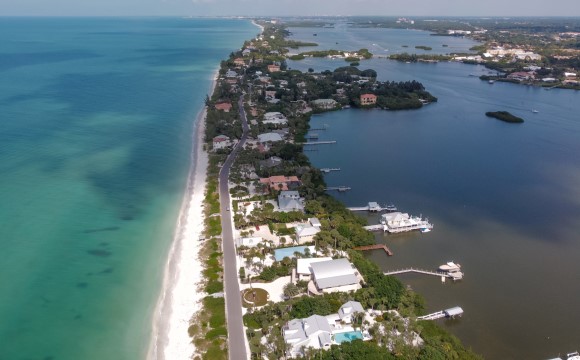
<point x="269" y="137"/>
<point x="303" y="265"/>
<point x="305" y="233"/>
<point x="221" y="142"/>
<point x="335" y="275"/>
<point x="348" y="309"/>
<point x="290" y="201"/>
<point x="315" y="222"/>
<point x="275" y="118"/>
<point x="313" y="331"/>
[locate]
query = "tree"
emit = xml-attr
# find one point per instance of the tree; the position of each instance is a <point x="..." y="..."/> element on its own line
<point x="242" y="273"/>
<point x="291" y="290"/>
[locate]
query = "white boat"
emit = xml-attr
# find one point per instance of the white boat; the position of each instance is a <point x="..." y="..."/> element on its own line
<point x="425" y="230"/>
<point x="573" y="356"/>
<point x="491" y="81"/>
<point x="535" y="111"/>
<point x="391" y="208"/>
<point x="450" y="267"/>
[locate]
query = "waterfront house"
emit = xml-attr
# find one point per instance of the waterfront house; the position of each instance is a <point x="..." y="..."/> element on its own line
<point x="269" y="137"/>
<point x="305" y="233"/>
<point x="325" y="104"/>
<point x="281" y="182"/>
<point x="396" y="222"/>
<point x="224" y="106"/>
<point x="368" y="99"/>
<point x="220" y="142"/>
<point x="275" y="117"/>
<point x="521" y="76"/>
<point x="290" y="201"/>
<point x="303" y="269"/>
<point x="333" y="276"/>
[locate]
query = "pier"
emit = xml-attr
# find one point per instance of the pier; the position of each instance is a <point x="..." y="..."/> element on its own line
<point x="451" y="275"/>
<point x="449" y="313"/>
<point x="318" y="142"/>
<point x="375" y="247"/>
<point x="373" y="207"/>
<point x="312" y="136"/>
<point x="379" y="227"/>
<point x="338" y="188"/>
<point x="327" y="170"/>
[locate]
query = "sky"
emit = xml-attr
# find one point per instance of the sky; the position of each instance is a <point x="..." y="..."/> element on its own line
<point x="289" y="7"/>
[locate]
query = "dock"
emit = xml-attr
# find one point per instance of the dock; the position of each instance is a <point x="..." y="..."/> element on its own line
<point x="312" y="136"/>
<point x="449" y="313"/>
<point x="453" y="276"/>
<point x="378" y="227"/>
<point x="328" y="142"/>
<point x="373" y="207"/>
<point x="327" y="170"/>
<point x="338" y="188"/>
<point x="375" y="247"/>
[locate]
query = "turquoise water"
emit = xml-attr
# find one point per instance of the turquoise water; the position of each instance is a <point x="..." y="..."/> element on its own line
<point x="280" y="254"/>
<point x="95" y="141"/>
<point x="347" y="336"/>
<point x="503" y="198"/>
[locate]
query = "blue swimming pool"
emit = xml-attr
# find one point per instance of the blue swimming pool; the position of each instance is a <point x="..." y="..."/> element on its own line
<point x="280" y="254"/>
<point x="347" y="336"/>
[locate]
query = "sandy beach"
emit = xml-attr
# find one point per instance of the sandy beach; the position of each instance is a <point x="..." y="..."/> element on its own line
<point x="180" y="299"/>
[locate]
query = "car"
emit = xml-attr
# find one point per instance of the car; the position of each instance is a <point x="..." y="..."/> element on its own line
<point x="228" y="208"/>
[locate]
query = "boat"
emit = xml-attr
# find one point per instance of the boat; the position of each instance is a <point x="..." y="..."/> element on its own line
<point x="472" y="74"/>
<point x="491" y="81"/>
<point x="391" y="208"/>
<point x="573" y="356"/>
<point x="450" y="267"/>
<point x="535" y="111"/>
<point x="425" y="230"/>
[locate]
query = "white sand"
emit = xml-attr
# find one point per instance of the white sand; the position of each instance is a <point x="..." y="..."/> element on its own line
<point x="180" y="298"/>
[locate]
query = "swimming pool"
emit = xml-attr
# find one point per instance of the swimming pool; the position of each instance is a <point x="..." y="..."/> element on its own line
<point x="347" y="336"/>
<point x="280" y="254"/>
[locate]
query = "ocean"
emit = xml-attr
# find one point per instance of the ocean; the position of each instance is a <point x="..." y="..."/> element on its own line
<point x="95" y="146"/>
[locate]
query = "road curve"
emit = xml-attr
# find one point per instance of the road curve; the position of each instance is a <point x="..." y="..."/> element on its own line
<point x="236" y="337"/>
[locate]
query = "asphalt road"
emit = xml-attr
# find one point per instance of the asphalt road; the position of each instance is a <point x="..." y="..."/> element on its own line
<point x="236" y="338"/>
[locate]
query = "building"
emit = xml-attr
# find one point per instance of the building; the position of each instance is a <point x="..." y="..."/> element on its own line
<point x="231" y="74"/>
<point x="305" y="233"/>
<point x="320" y="332"/>
<point x="324" y="103"/>
<point x="221" y="142"/>
<point x="269" y="137"/>
<point x="347" y="310"/>
<point x="224" y="106"/>
<point x="312" y="332"/>
<point x="368" y="99"/>
<point x="521" y="76"/>
<point x="396" y="222"/>
<point x="290" y="201"/>
<point x="239" y="62"/>
<point x="275" y="118"/>
<point x="273" y="68"/>
<point x="271" y="162"/>
<point x="303" y="269"/>
<point x="335" y="275"/>
<point x="281" y="182"/>
<point x="270" y="94"/>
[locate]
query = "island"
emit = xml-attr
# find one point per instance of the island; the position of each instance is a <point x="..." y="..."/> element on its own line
<point x="504" y="116"/>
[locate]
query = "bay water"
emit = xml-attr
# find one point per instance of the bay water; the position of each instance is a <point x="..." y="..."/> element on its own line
<point x="95" y="143"/>
<point x="504" y="200"/>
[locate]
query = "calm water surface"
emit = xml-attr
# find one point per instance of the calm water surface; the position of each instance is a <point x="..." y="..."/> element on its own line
<point x="504" y="199"/>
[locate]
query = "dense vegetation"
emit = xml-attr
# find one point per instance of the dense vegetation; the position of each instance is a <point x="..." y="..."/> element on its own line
<point x="504" y="116"/>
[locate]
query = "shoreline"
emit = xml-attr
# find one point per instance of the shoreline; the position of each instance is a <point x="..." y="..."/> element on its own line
<point x="179" y="297"/>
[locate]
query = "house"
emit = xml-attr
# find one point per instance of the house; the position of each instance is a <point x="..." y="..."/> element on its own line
<point x="569" y="74"/>
<point x="281" y="182"/>
<point x="270" y="162"/>
<point x="273" y="68"/>
<point x="221" y="142"/>
<point x="270" y="94"/>
<point x="224" y="106"/>
<point x="305" y="233"/>
<point x="521" y="76"/>
<point x="249" y="241"/>
<point x="231" y="74"/>
<point x="290" y="201"/>
<point x="324" y="103"/>
<point x="312" y="332"/>
<point x="315" y="222"/>
<point x="368" y="99"/>
<point x="269" y="137"/>
<point x="348" y="309"/>
<point x="246" y="52"/>
<point x="319" y="332"/>
<point x="303" y="269"/>
<point x="239" y="62"/>
<point x="335" y="275"/>
<point x="275" y="118"/>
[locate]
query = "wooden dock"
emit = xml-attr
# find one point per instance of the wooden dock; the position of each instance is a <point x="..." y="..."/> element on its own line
<point x="338" y="188"/>
<point x="318" y="142"/>
<point x="453" y="276"/>
<point x="375" y="247"/>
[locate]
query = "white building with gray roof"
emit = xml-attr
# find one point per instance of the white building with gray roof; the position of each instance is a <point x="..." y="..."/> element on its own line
<point x="335" y="275"/>
<point x="290" y="201"/>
